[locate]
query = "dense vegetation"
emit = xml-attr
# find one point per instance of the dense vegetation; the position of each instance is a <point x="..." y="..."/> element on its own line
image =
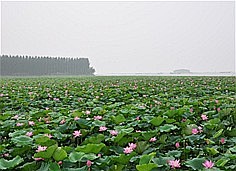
<point x="28" y="65"/>
<point x="118" y="123"/>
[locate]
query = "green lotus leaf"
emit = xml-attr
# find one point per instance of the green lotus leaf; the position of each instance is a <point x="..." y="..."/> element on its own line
<point x="188" y="129"/>
<point x="47" y="154"/>
<point x="196" y="163"/>
<point x="83" y="123"/>
<point x="97" y="109"/>
<point x="146" y="167"/>
<point x="59" y="154"/>
<point x="99" y="123"/>
<point x="7" y="164"/>
<point x="161" y="161"/>
<point x="76" y="169"/>
<point x="54" y="167"/>
<point x="6" y="115"/>
<point x="168" y="128"/>
<point x="96" y="139"/>
<point x="17" y="133"/>
<point x="149" y="134"/>
<point x="174" y="153"/>
<point x="22" y="140"/>
<point x="212" y="151"/>
<point x="44" y="141"/>
<point x="90" y="148"/>
<point x="141" y="146"/>
<point x="157" y="121"/>
<point x="81" y="157"/>
<point x="29" y="165"/>
<point x="123" y="158"/>
<point x="218" y="133"/>
<point x="21" y="150"/>
<point x="222" y="162"/>
<point x="44" y="167"/>
<point x="145" y="159"/>
<point x="118" y="119"/>
<point x="117" y="167"/>
<point x="75" y="156"/>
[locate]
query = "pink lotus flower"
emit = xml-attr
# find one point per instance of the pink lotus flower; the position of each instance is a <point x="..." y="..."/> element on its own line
<point x="99" y="155"/>
<point x="194" y="131"/>
<point x="200" y="129"/>
<point x="172" y="108"/>
<point x="97" y="117"/>
<point x="56" y="99"/>
<point x="218" y="109"/>
<point x="184" y="120"/>
<point x="89" y="163"/>
<point x="222" y="140"/>
<point x="177" y="145"/>
<point x="204" y="117"/>
<point x="87" y="112"/>
<point x="127" y="150"/>
<point x="47" y="108"/>
<point x="191" y="110"/>
<point x="5" y="154"/>
<point x="60" y="162"/>
<point x="137" y="118"/>
<point x="19" y="124"/>
<point x="76" y="118"/>
<point x="113" y="132"/>
<point x="208" y="164"/>
<point x="15" y="117"/>
<point x="77" y="134"/>
<point x="31" y="123"/>
<point x="48" y="135"/>
<point x="132" y="146"/>
<point x="63" y="121"/>
<point x="38" y="159"/>
<point x="174" y="164"/>
<point x="41" y="148"/>
<point x="102" y="128"/>
<point x="29" y="134"/>
<point x="217" y="101"/>
<point x="142" y="107"/>
<point x="138" y="131"/>
<point x="153" y="139"/>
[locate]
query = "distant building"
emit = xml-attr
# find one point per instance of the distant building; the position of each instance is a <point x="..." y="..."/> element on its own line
<point x="181" y="71"/>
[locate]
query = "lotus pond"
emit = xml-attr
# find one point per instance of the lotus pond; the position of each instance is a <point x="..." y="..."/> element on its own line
<point x="118" y="123"/>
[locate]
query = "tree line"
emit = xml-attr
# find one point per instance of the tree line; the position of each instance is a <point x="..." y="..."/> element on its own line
<point x="29" y="65"/>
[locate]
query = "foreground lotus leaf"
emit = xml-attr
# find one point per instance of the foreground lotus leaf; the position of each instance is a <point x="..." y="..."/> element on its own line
<point x="7" y="164"/>
<point x="127" y="123"/>
<point x="90" y="148"/>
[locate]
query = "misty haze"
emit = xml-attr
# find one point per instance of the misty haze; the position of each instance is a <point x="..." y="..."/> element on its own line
<point x="125" y="37"/>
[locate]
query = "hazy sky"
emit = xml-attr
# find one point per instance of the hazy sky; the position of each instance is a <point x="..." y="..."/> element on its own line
<point x="125" y="37"/>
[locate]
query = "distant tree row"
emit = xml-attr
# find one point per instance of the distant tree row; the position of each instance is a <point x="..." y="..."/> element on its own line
<point x="28" y="65"/>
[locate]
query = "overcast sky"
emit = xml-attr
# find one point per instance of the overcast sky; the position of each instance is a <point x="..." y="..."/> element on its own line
<point x="125" y="37"/>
